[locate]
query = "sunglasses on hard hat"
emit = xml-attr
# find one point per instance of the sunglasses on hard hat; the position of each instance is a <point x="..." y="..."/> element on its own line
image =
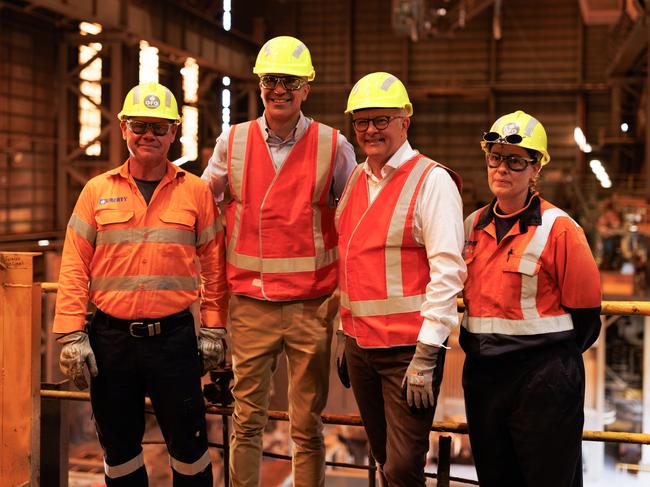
<point x="514" y="163"/>
<point x="290" y="83"/>
<point x="157" y="128"/>
<point x="497" y="138"/>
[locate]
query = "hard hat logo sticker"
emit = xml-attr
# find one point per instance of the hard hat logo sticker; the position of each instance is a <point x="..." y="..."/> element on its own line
<point x="510" y="128"/>
<point x="151" y="101"/>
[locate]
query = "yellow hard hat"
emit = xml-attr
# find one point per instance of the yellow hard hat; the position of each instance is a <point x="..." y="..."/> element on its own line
<point x="150" y="100"/>
<point x="379" y="90"/>
<point x="520" y="129"/>
<point x="284" y="55"/>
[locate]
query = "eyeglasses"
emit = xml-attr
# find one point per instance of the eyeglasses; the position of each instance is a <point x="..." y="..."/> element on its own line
<point x="514" y="163"/>
<point x="290" y="83"/>
<point x="497" y="138"/>
<point x="380" y="123"/>
<point x="158" y="128"/>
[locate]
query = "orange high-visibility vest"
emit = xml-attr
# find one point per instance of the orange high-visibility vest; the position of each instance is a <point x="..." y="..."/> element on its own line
<point x="135" y="260"/>
<point x="281" y="240"/>
<point x="516" y="289"/>
<point x="384" y="272"/>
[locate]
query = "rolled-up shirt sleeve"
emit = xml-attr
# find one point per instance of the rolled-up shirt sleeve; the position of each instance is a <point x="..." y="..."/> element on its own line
<point x="439" y="227"/>
<point x="216" y="172"/>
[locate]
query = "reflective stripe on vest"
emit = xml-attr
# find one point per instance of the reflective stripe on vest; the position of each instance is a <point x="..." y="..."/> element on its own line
<point x="358" y="171"/>
<point x="237" y="163"/>
<point x="124" y="469"/>
<point x="395" y="302"/>
<point x="382" y="307"/>
<point x="532" y="323"/>
<point x="470" y="221"/>
<point x="146" y="234"/>
<point x="193" y="468"/>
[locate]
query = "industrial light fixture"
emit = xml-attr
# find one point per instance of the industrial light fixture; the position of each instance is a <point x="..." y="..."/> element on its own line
<point x="601" y="173"/>
<point x="148" y="63"/>
<point x="625" y="127"/>
<point x="227" y="15"/>
<point x="581" y="140"/>
<point x="225" y="104"/>
<point x="90" y="116"/>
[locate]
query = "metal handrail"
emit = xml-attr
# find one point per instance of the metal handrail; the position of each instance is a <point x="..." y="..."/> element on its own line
<point x="607" y="307"/>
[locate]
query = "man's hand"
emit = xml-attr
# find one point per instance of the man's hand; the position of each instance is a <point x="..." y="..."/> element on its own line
<point x="341" y="361"/>
<point x="76" y="353"/>
<point x="419" y="378"/>
<point x="212" y="347"/>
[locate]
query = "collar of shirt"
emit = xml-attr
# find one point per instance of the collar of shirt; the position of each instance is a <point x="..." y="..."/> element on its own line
<point x="531" y="216"/>
<point x="295" y="135"/>
<point x="172" y="171"/>
<point x="397" y="160"/>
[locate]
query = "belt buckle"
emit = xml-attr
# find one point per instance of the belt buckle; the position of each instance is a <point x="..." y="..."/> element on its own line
<point x="133" y="324"/>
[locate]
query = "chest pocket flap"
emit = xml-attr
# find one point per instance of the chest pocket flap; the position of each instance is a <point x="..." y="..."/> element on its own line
<point x="522" y="265"/>
<point x="178" y="217"/>
<point x="111" y="217"/>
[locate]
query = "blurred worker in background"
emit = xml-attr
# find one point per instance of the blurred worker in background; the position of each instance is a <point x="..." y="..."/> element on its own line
<point x="280" y="177"/>
<point x="130" y="248"/>
<point x="533" y="303"/>
<point x="400" y="224"/>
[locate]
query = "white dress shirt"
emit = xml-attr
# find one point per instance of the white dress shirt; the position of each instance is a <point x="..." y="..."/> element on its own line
<point x="438" y="225"/>
<point x="216" y="173"/>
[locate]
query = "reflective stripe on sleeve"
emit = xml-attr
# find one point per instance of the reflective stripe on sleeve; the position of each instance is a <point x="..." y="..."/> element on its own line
<point x="381" y="307"/>
<point x="145" y="283"/>
<point x="208" y="233"/>
<point x="503" y="326"/>
<point x="83" y="229"/>
<point x="193" y="468"/>
<point x="470" y="221"/>
<point x="125" y="468"/>
<point x="146" y="234"/>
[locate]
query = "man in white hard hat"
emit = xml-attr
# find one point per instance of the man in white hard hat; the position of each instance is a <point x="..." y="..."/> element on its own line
<point x="280" y="177"/>
<point x="130" y="249"/>
<point x="400" y="225"/>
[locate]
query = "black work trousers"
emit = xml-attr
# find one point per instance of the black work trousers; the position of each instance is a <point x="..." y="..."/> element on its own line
<point x="398" y="434"/>
<point x="525" y="417"/>
<point x="166" y="367"/>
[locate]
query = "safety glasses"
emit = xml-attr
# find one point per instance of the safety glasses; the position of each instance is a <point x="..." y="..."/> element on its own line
<point x="380" y="122"/>
<point x="157" y="128"/>
<point x="497" y="138"/>
<point x="290" y="83"/>
<point x="514" y="163"/>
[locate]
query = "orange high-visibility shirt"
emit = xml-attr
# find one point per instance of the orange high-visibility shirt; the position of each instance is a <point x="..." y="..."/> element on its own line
<point x="519" y="292"/>
<point x="134" y="260"/>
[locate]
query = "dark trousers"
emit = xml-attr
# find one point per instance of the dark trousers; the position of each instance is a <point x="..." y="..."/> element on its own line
<point x="166" y="367"/>
<point x="398" y="435"/>
<point x="525" y="417"/>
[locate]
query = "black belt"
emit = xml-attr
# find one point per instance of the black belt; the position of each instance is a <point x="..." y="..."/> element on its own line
<point x="145" y="327"/>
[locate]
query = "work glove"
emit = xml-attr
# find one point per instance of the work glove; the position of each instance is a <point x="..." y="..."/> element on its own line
<point x="212" y="347"/>
<point x="76" y="353"/>
<point x="341" y="361"/>
<point x="419" y="378"/>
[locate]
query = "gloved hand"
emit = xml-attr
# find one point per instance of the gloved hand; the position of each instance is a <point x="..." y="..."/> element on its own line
<point x="212" y="347"/>
<point x="341" y="361"/>
<point x="419" y="377"/>
<point x="75" y="353"/>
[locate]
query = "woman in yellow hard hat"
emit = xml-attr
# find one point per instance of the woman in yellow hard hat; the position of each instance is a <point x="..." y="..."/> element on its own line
<point x="532" y="300"/>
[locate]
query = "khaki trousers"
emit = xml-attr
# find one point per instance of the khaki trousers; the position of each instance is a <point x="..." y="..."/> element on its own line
<point x="260" y="331"/>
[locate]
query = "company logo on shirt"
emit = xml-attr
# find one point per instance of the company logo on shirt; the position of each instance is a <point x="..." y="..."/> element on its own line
<point x="112" y="199"/>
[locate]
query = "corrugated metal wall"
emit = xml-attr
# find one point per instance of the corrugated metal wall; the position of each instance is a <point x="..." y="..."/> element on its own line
<point x="27" y="124"/>
<point x="547" y="63"/>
